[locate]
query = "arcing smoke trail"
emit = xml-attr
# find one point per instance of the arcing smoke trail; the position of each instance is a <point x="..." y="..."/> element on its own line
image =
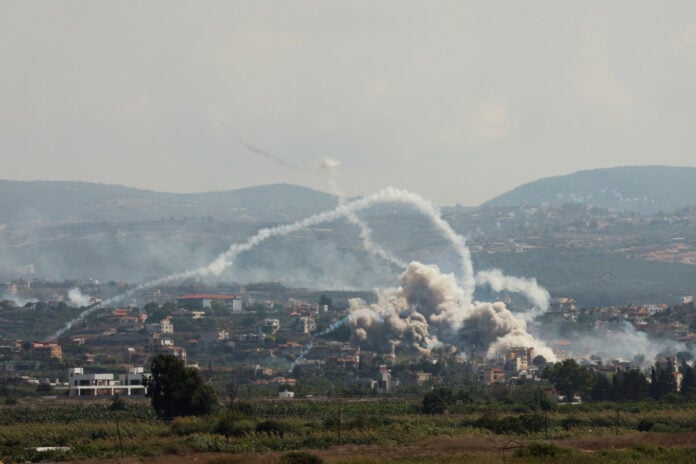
<point x="227" y="258"/>
<point x="330" y="166"/>
<point x="224" y="121"/>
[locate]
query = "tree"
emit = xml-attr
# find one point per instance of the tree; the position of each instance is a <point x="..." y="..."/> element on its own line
<point x="688" y="380"/>
<point x="176" y="390"/>
<point x="569" y="378"/>
<point x="324" y="300"/>
<point x="603" y="389"/>
<point x="634" y="386"/>
<point x="539" y="361"/>
<point x="438" y="400"/>
<point x="662" y="379"/>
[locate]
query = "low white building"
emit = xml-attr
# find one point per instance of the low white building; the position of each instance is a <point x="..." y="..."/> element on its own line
<point x="81" y="384"/>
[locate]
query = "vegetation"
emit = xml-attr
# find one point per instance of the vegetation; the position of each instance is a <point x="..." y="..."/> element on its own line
<point x="91" y="430"/>
<point x="177" y="390"/>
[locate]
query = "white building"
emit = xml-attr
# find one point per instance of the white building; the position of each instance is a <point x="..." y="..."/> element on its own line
<point x="165" y="326"/>
<point x="81" y="384"/>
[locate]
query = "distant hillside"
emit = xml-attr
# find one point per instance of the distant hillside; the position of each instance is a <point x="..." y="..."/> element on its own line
<point x="642" y="189"/>
<point x="83" y="201"/>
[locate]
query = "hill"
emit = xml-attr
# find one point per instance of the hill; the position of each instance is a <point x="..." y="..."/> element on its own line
<point x="84" y="201"/>
<point x="640" y="189"/>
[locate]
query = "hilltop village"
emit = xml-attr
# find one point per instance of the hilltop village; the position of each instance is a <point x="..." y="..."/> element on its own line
<point x="272" y="340"/>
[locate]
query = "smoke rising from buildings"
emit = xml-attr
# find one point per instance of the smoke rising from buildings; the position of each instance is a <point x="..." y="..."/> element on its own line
<point x="624" y="343"/>
<point x="18" y="300"/>
<point x="429" y="309"/>
<point x="538" y="296"/>
<point x="227" y="258"/>
<point x="77" y="298"/>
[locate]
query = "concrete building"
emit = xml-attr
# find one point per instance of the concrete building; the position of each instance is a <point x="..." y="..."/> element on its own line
<point x="305" y="324"/>
<point x="165" y="345"/>
<point x="164" y="326"/>
<point x="81" y="384"/>
<point x="204" y="300"/>
<point x="269" y="326"/>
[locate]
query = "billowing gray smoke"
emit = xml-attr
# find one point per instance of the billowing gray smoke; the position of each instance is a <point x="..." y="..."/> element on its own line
<point x="430" y="310"/>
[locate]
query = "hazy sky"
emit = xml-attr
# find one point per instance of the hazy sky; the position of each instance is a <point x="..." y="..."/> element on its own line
<point x="456" y="100"/>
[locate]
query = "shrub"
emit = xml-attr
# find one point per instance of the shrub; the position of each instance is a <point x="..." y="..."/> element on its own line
<point x="300" y="457"/>
<point x="272" y="427"/>
<point x="542" y="450"/>
<point x="645" y="425"/>
<point x="189" y="425"/>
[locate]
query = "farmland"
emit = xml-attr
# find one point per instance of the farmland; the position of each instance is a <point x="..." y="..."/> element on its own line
<point x="349" y="431"/>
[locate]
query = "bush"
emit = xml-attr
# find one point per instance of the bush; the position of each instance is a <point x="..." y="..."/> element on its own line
<point x="272" y="427"/>
<point x="300" y="457"/>
<point x="189" y="425"/>
<point x="645" y="425"/>
<point x="233" y="427"/>
<point x="542" y="450"/>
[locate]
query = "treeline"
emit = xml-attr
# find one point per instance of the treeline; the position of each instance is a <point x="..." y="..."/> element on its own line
<point x="574" y="381"/>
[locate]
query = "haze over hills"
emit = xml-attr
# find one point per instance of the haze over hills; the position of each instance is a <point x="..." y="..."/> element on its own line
<point x="591" y="250"/>
<point x="85" y="201"/>
<point x="641" y="189"/>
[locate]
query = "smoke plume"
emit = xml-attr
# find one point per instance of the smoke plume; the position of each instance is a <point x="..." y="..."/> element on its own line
<point x="430" y="310"/>
<point x="535" y="294"/>
<point x="227" y="258"/>
<point x="77" y="298"/>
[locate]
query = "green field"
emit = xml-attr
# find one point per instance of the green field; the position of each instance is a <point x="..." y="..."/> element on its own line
<point x="351" y="431"/>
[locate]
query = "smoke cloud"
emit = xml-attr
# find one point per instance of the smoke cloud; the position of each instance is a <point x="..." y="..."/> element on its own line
<point x="624" y="343"/>
<point x="430" y="310"/>
<point x="535" y="294"/>
<point x="227" y="258"/>
<point x="77" y="298"/>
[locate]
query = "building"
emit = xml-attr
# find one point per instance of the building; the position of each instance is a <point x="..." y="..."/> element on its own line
<point x="204" y="300"/>
<point x="132" y="383"/>
<point x="164" y="326"/>
<point x="269" y="326"/>
<point x="423" y="377"/>
<point x="305" y="324"/>
<point x="496" y="375"/>
<point x="384" y="381"/>
<point x="159" y="344"/>
<point x="50" y="349"/>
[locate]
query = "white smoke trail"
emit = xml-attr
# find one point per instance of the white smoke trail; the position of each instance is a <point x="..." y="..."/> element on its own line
<point x="537" y="295"/>
<point x="227" y="258"/>
<point x="310" y="345"/>
<point x="331" y="166"/>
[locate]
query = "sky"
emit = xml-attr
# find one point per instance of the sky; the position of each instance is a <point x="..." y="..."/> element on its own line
<point x="458" y="101"/>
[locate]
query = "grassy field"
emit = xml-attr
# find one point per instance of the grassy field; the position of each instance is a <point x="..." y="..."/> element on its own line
<point x="346" y="431"/>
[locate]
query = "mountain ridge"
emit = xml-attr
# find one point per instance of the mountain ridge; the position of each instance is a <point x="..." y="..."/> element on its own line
<point x="640" y="189"/>
<point x="89" y="201"/>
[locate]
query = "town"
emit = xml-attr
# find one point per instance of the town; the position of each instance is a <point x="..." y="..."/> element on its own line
<point x="264" y="338"/>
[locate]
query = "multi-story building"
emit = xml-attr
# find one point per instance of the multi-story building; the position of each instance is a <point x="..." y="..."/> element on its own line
<point x="132" y="383"/>
<point x="51" y="349"/>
